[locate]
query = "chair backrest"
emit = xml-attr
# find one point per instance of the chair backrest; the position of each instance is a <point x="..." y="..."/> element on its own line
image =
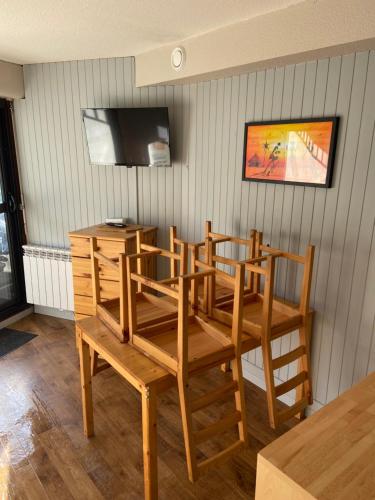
<point x="178" y="267"/>
<point x="252" y="244"/>
<point x="177" y="254"/>
<point x="119" y="267"/>
<point x="306" y="260"/>
<point x="209" y="274"/>
<point x="174" y="244"/>
<point x="268" y="271"/>
<point x="176" y="288"/>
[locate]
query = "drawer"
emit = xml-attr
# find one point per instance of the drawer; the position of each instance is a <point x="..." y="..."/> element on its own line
<point x="80" y="247"/>
<point x="108" y="289"/>
<point x="82" y="268"/>
<point x="81" y="316"/>
<point x="83" y="305"/>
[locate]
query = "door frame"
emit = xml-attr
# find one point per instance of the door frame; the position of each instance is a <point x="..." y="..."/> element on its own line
<point x="12" y="199"/>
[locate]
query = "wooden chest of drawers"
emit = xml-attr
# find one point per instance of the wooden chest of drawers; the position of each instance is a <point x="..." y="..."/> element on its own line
<point x="111" y="242"/>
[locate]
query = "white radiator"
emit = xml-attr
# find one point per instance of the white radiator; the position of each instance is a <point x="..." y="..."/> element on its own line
<point x="48" y="277"/>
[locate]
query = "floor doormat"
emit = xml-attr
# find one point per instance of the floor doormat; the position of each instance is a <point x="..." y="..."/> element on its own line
<point x="13" y="339"/>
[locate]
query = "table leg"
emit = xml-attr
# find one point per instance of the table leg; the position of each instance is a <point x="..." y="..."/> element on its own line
<point x="94" y="361"/>
<point x="150" y="464"/>
<point x="85" y="369"/>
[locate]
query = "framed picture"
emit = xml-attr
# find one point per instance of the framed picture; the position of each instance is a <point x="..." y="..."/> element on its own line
<point x="290" y="151"/>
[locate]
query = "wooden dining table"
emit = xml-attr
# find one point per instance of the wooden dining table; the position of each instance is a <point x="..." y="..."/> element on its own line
<point x="147" y="377"/>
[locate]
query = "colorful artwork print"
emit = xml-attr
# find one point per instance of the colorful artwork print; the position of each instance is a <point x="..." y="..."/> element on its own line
<point x="296" y="152"/>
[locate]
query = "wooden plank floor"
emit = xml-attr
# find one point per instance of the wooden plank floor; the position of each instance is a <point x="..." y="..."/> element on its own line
<point x="43" y="453"/>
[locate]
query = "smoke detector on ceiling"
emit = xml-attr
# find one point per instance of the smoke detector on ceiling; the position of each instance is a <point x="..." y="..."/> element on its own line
<point x="178" y="58"/>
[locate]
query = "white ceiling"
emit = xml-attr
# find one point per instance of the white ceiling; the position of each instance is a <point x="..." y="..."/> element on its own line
<point x="33" y="31"/>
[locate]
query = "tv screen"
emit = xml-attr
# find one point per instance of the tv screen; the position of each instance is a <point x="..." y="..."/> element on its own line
<point x="128" y="136"/>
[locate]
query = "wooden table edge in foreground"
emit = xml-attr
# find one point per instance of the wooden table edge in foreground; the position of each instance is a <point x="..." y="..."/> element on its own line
<point x="329" y="455"/>
<point x="149" y="379"/>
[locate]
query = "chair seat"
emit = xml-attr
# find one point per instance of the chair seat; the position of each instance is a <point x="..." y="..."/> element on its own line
<point x="206" y="344"/>
<point x="249" y="342"/>
<point x="150" y="309"/>
<point x="285" y="317"/>
<point x="222" y="293"/>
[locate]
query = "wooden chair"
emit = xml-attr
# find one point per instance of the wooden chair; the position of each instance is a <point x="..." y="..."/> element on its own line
<point x="151" y="309"/>
<point x="187" y="346"/>
<point x="224" y="288"/>
<point x="113" y="312"/>
<point x="268" y="318"/>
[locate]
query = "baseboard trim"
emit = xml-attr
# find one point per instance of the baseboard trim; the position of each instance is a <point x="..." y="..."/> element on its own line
<point x="16" y="317"/>
<point x="52" y="311"/>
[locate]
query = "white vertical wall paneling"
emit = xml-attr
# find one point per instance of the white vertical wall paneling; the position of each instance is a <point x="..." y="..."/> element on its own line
<point x="198" y="165"/>
<point x="183" y="229"/>
<point x="328" y="360"/>
<point x="233" y="174"/>
<point x="191" y="166"/>
<point x="271" y="102"/>
<point x="237" y="197"/>
<point x="64" y="192"/>
<point x="87" y="185"/>
<point x="177" y="152"/>
<point x="364" y="347"/>
<point x="209" y="119"/>
<point x="356" y="247"/>
<point x="169" y="172"/>
<point x="217" y="152"/>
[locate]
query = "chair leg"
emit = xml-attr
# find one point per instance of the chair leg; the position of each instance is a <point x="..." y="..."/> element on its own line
<point x="304" y="364"/>
<point x="240" y="399"/>
<point x="187" y="426"/>
<point x="270" y="383"/>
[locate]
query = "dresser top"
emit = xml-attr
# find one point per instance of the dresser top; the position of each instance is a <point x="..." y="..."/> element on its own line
<point x="105" y="232"/>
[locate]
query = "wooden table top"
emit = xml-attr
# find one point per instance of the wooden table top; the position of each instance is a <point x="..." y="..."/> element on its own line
<point x="331" y="454"/>
<point x="134" y="366"/>
<point x="110" y="232"/>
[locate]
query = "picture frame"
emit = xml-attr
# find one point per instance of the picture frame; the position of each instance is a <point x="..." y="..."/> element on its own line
<point x="298" y="152"/>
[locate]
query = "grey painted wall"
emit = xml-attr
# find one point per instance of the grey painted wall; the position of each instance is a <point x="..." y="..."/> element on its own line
<point x="63" y="192"/>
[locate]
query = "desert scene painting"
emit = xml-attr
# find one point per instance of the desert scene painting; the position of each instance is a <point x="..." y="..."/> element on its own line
<point x="294" y="152"/>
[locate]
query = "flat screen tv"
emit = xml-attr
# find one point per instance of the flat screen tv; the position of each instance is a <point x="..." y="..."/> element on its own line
<point x="133" y="137"/>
